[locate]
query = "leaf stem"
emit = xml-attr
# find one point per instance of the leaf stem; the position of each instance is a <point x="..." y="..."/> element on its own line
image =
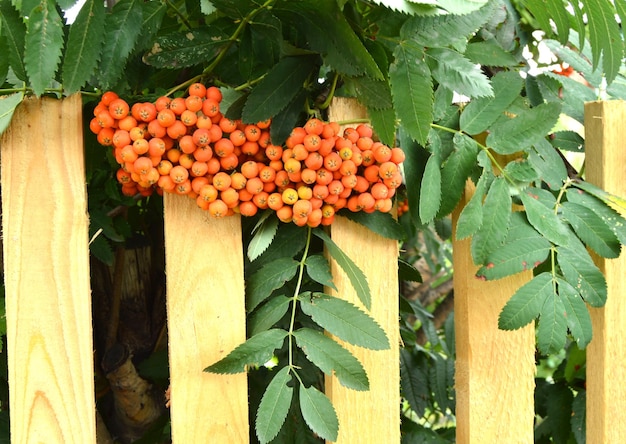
<point x="179" y="14"/>
<point x="296" y="293"/>
<point x="331" y="93"/>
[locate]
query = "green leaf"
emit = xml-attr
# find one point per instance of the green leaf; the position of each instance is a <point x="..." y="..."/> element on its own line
<point x="277" y="89"/>
<point x="329" y="356"/>
<point x="318" y="269"/>
<point x="284" y="122"/>
<point x="482" y="112"/>
<point x="407" y="6"/>
<point x="457" y="73"/>
<point x="496" y="215"/>
<point x="374" y="94"/>
<point x="382" y="224"/>
<point x="262" y="238"/>
<point x="576" y="60"/>
<point x="608" y="198"/>
<point x="580" y="271"/>
<point x="543" y="218"/>
<point x="235" y="9"/>
<point x="526" y="303"/>
<point x="579" y="413"/>
<point x="430" y="191"/>
<point x="384" y="124"/>
<point x="413" y="381"/>
<point x="461" y="7"/>
<point x="523" y="249"/>
<point x="7" y="108"/>
<point x="187" y="48"/>
<point x="318" y="413"/>
<point x="576" y="313"/>
<point x="13" y="28"/>
<point x="345" y="320"/>
<point x="43" y="45"/>
<point x="555" y="399"/>
<point x="412" y="90"/>
<point x="455" y="170"/>
<point x="274" y="406"/>
<point x="604" y="36"/>
<point x="552" y="328"/>
<point x="270" y="277"/>
<point x="548" y="164"/>
<point x="524" y="130"/>
<point x="355" y="275"/>
<point x="289" y="241"/>
<point x="490" y="53"/>
<point x="121" y="29"/>
<point x="83" y="46"/>
<point x="568" y="141"/>
<point x="521" y="171"/>
<point x="152" y="16"/>
<point x="609" y="216"/>
<point x="268" y="314"/>
<point x="471" y="217"/>
<point x="592" y="230"/>
<point x="255" y="351"/>
<point x="407" y="272"/>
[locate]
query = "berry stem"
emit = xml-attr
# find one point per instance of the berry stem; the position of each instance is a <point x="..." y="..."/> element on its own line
<point x="331" y="93"/>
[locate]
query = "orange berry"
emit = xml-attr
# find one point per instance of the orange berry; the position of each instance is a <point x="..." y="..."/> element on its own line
<point x="314" y="126"/>
<point x="362" y="184"/>
<point x="173" y="155"/>
<point x="186" y="144"/>
<point x="223" y="147"/>
<point x="222" y="180"/>
<point x="197" y="89"/>
<point x="122" y="176"/>
<point x="315" y="218"/>
<point x="379" y="191"/>
<point x="267" y="174"/>
<point x="387" y="170"/>
<point x="254" y="185"/>
<point x="383" y="205"/>
<point x="198" y="182"/>
<point x="156" y="146"/>
<point x="349" y="181"/>
<point x="312" y="142"/>
<point x="248" y="208"/>
<point x="274" y="152"/>
<point x="214" y="93"/>
<point x="186" y="160"/>
<point x="264" y="124"/>
<point x="177" y="105"/>
<point x="179" y="174"/>
<point x="292" y="165"/>
<point x="229" y="162"/>
<point x="238" y="181"/>
<point x="282" y="178"/>
<point x="127" y="123"/>
<point x="252" y="132"/>
<point x="141" y="146"/>
<point x="275" y="201"/>
<point x="203" y="153"/>
<point x="227" y="125"/>
<point x="204" y="121"/>
<point x="296" y="137"/>
<point x="218" y="208"/>
<point x="237" y="137"/>
<point x="299" y="152"/>
<point x="162" y="103"/>
<point x="348" y="168"/>
<point x="331" y="129"/>
<point x="193" y="103"/>
<point x="199" y="169"/>
<point x="260" y="199"/>
<point x="366" y="201"/>
<point x="290" y="196"/>
<point x="250" y="148"/>
<point x="176" y="130"/>
<point x="166" y="183"/>
<point x="164" y="167"/>
<point x="371" y="173"/>
<point x="108" y="97"/>
<point x="105" y="136"/>
<point x="308" y="176"/>
<point x="147" y="112"/>
<point x="335" y="187"/>
<point x="189" y="118"/>
<point x="214" y="165"/>
<point x="230" y="196"/>
<point x="382" y="153"/>
<point x="332" y="161"/>
<point x="351" y="134"/>
<point x="397" y="155"/>
<point x="128" y="154"/>
<point x="156" y="130"/>
<point x="166" y="117"/>
<point x="305" y="192"/>
<point x="302" y="208"/>
<point x="324" y="177"/>
<point x="208" y="193"/>
<point x="105" y="120"/>
<point x="285" y="213"/>
<point x="183" y="187"/>
<point x="210" y="108"/>
<point x="394" y="181"/>
<point x="250" y="169"/>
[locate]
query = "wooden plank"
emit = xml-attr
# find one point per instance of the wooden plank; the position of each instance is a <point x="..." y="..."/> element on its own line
<point x="605" y="132"/>
<point x="206" y="320"/>
<point x="494" y="369"/>
<point x="46" y="273"/>
<point x="374" y="415"/>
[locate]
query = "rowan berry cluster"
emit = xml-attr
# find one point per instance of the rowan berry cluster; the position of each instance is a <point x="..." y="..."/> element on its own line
<point x="185" y="145"/>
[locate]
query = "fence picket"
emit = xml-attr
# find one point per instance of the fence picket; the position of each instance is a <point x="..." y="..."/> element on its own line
<point x="605" y="133"/>
<point x="206" y="320"/>
<point x="46" y="273"/>
<point x="495" y="369"/>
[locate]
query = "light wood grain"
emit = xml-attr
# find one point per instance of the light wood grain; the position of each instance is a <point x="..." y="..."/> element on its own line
<point x="605" y="134"/>
<point x="46" y="273"/>
<point x="372" y="416"/>
<point x="495" y="369"/>
<point x="206" y="320"/>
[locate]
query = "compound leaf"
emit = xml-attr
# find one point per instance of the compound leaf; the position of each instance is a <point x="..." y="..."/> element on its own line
<point x="345" y="320"/>
<point x="612" y="218"/>
<point x="471" y="217"/>
<point x="255" y="351"/>
<point x="455" y="170"/>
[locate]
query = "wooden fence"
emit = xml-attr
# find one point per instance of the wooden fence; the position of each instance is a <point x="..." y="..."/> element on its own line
<point x="48" y="308"/>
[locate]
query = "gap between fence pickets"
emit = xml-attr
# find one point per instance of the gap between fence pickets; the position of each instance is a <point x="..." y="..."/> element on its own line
<point x="370" y="416"/>
<point x="605" y="133"/>
<point x="206" y="320"/>
<point x="46" y="265"/>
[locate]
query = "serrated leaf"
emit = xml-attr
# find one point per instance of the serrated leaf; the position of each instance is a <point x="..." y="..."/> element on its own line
<point x="382" y="224"/>
<point x="592" y="230"/>
<point x="521" y="171"/>
<point x="576" y="313"/>
<point x="526" y="303"/>
<point x="13" y="28"/>
<point x="284" y="122"/>
<point x="439" y="381"/>
<point x="83" y="46"/>
<point x="331" y="357"/>
<point x="524" y="130"/>
<point x="609" y="216"/>
<point x="374" y="94"/>
<point x="471" y="217"/>
<point x="262" y="238"/>
<point x="610" y="199"/>
<point x="412" y="90"/>
<point x="556" y="401"/>
<point x="407" y="272"/>
<point x="187" y="48"/>
<point x="255" y="351"/>
<point x="430" y="191"/>
<point x="452" y="70"/>
<point x="482" y="112"/>
<point x="548" y="163"/>
<point x="413" y="382"/>
<point x="578" y="418"/>
<point x="580" y="271"/>
<point x="101" y="249"/>
<point x="237" y="10"/>
<point x="289" y="241"/>
<point x="407" y="7"/>
<point x="568" y="141"/>
<point x="496" y="215"/>
<point x="576" y="60"/>
<point x="152" y="16"/>
<point x="269" y="278"/>
<point x="455" y="170"/>
<point x="345" y="320"/>
<point x="523" y="249"/>
<point x="355" y="275"/>
<point x="544" y="220"/>
<point x="461" y="7"/>
<point x="318" y="269"/>
<point x="604" y="36"/>
<point x="490" y="53"/>
<point x="274" y="406"/>
<point x="122" y="27"/>
<point x="384" y="123"/>
<point x="319" y="413"/>
<point x="277" y="89"/>
<point x="268" y="314"/>
<point x="43" y="45"/>
<point x="552" y="328"/>
<point x="7" y="108"/>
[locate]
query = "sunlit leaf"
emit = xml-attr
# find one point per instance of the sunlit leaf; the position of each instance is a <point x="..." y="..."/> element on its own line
<point x="14" y="30"/>
<point x="457" y="73"/>
<point x="544" y="219"/>
<point x="263" y="237"/>
<point x="496" y="215"/>
<point x="526" y="303"/>
<point x="7" y="108"/>
<point x="430" y="191"/>
<point x="609" y="216"/>
<point x="582" y="274"/>
<point x="591" y="229"/>
<point x="605" y="37"/>
<point x="382" y="224"/>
